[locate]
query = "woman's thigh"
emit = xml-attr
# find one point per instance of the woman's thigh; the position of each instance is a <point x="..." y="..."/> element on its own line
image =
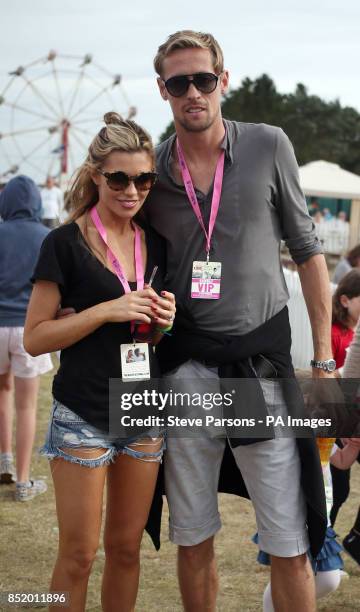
<point x="79" y="495"/>
<point x="130" y="490"/>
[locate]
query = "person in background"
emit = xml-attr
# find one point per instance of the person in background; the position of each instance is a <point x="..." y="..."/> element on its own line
<point x="351" y="260"/>
<point x="345" y="315"/>
<point x="318" y="219"/>
<point x="341" y="218"/>
<point x="328" y="565"/>
<point x="327" y="214"/>
<point x="351" y="542"/>
<point x="52" y="204"/>
<point x="313" y="207"/>
<point x="346" y="312"/>
<point x="21" y="235"/>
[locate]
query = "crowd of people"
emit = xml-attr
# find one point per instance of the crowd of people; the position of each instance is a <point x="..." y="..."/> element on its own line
<point x="181" y="243"/>
<point x="332" y="230"/>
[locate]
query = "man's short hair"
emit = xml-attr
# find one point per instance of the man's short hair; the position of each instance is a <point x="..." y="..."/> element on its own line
<point x="188" y="39"/>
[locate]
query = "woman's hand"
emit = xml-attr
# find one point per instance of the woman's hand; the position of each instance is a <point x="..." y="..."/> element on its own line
<point x="134" y="306"/>
<point x="164" y="309"/>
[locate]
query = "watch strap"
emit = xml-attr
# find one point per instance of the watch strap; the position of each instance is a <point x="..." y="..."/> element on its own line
<point x="328" y="365"/>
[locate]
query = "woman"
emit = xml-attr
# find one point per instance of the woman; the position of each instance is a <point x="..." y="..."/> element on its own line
<point x="351" y="542"/>
<point x="345" y="317"/>
<point x="97" y="263"/>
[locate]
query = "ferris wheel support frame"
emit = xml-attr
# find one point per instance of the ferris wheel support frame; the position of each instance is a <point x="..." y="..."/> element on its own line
<point x="62" y="120"/>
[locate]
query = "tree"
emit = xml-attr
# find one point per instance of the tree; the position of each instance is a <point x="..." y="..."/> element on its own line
<point x="317" y="129"/>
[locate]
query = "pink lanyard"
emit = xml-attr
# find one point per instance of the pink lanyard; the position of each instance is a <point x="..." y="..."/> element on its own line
<point x="215" y="203"/>
<point x="114" y="260"/>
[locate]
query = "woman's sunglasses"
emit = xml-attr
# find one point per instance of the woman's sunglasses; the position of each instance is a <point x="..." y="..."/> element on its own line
<point x="118" y="181"/>
<point x="204" y="81"/>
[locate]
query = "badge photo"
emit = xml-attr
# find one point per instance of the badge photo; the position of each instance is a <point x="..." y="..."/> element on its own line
<point x="135" y="363"/>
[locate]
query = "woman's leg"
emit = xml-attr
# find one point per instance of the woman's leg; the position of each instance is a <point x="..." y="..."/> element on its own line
<point x="79" y="494"/>
<point x="26" y="395"/>
<point x="131" y="485"/>
<point x="6" y="412"/>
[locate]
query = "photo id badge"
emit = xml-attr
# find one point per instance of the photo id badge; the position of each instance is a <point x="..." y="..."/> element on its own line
<point x="206" y="280"/>
<point x="135" y="363"/>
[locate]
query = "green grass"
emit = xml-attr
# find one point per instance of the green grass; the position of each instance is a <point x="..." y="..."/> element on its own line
<point x="28" y="544"/>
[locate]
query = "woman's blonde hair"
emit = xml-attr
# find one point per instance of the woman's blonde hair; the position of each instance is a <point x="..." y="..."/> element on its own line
<point x="118" y="135"/>
<point x="188" y="39"/>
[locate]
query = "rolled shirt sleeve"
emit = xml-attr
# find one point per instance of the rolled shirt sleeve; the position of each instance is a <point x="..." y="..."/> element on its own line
<point x="297" y="226"/>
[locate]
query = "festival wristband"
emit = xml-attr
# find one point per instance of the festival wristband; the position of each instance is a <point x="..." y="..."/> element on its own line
<point x="164" y="330"/>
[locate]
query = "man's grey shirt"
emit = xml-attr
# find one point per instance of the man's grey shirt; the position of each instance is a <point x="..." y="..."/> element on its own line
<point x="261" y="204"/>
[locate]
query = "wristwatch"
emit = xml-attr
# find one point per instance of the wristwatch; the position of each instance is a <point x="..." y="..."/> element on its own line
<point x="328" y="365"/>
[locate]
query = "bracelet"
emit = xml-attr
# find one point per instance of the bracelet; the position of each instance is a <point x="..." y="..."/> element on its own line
<point x="164" y="330"/>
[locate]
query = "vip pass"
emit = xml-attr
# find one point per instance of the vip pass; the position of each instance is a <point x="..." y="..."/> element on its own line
<point x="206" y="275"/>
<point x="206" y="278"/>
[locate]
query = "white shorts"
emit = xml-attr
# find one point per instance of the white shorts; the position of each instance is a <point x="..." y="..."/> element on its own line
<point x="270" y="469"/>
<point x="15" y="359"/>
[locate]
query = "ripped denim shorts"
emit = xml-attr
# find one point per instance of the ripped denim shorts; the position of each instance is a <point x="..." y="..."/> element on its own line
<point x="68" y="430"/>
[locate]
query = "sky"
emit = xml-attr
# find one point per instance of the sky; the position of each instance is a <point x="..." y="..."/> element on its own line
<point x="314" y="42"/>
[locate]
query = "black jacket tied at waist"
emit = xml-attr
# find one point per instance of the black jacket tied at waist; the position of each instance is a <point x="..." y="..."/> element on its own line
<point x="235" y="357"/>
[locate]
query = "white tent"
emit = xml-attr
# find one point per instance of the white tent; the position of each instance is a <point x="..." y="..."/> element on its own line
<point x="327" y="180"/>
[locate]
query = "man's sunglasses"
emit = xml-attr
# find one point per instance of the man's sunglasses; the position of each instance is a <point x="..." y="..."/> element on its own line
<point x="204" y="81"/>
<point x="118" y="181"/>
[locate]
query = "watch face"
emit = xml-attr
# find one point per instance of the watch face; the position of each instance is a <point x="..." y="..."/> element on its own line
<point x="331" y="365"/>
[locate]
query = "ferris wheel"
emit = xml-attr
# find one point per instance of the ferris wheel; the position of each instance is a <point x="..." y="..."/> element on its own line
<point x="50" y="109"/>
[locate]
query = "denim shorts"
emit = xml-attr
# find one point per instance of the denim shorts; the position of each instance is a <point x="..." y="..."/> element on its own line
<point x="68" y="430"/>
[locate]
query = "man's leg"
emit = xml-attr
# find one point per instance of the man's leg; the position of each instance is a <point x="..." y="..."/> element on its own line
<point x="198" y="579"/>
<point x="192" y="467"/>
<point x="292" y="584"/>
<point x="325" y="583"/>
<point x="191" y="477"/>
<point x="271" y="471"/>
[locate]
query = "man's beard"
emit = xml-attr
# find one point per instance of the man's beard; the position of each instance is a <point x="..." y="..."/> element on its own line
<point x="202" y="127"/>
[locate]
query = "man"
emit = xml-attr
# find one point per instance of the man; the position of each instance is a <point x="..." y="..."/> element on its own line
<point x="254" y="202"/>
<point x="52" y="204"/>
